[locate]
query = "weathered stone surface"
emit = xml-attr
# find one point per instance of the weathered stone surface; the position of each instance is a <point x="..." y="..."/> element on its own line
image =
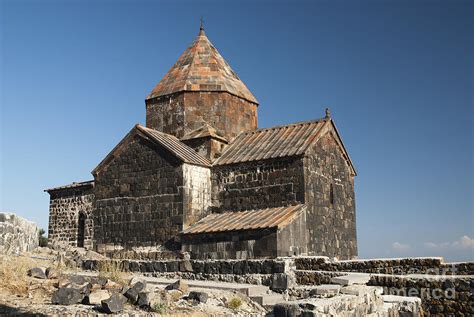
<point x="361" y="279"/>
<point x="37" y="272"/>
<point x="17" y="234"/>
<point x="200" y="297"/>
<point x="286" y="310"/>
<point x="67" y="296"/>
<point x="326" y="290"/>
<point x="114" y="303"/>
<point x="143" y="299"/>
<point x="70" y="215"/>
<point x="132" y="295"/>
<point x="96" y="297"/>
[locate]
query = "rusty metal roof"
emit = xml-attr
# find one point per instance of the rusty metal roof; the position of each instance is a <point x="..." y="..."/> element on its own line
<point x="280" y="141"/>
<point x="201" y="68"/>
<point x="73" y="185"/>
<point x="277" y="217"/>
<point x="176" y="147"/>
<point x="204" y="131"/>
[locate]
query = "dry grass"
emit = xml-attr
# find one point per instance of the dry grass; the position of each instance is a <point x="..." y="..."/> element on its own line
<point x="14" y="273"/>
<point x="234" y="303"/>
<point x="112" y="271"/>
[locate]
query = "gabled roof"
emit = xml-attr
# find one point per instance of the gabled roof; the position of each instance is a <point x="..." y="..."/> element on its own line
<point x="204" y="131"/>
<point x="280" y="141"/>
<point x="71" y="186"/>
<point x="201" y="68"/>
<point x="167" y="141"/>
<point x="277" y="217"/>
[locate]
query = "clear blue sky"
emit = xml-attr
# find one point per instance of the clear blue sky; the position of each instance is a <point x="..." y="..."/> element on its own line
<point x="398" y="77"/>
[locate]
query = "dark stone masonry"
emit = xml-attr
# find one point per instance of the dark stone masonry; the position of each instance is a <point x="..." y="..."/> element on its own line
<point x="202" y="178"/>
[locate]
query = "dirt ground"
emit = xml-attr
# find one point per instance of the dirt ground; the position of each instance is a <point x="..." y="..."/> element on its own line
<point x="21" y="294"/>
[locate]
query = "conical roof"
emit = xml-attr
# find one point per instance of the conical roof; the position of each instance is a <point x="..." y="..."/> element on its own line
<point x="201" y="68"/>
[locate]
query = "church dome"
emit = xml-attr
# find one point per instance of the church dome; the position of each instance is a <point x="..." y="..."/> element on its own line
<point x="202" y="68"/>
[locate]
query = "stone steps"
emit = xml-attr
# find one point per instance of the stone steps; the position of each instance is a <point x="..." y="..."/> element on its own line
<point x="267" y="300"/>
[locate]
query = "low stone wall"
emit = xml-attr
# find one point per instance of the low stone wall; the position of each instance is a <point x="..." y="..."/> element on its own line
<point x="315" y="277"/>
<point x="440" y="295"/>
<point x="17" y="234"/>
<point x="434" y="266"/>
<point x="236" y="267"/>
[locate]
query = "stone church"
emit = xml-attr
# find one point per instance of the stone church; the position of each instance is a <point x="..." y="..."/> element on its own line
<point x="202" y="178"/>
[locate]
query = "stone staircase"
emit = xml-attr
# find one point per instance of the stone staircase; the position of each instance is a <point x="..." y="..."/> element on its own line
<point x="348" y="295"/>
<point x="258" y="293"/>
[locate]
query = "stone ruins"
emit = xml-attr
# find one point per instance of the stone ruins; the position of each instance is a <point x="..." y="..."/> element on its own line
<point x="202" y="178"/>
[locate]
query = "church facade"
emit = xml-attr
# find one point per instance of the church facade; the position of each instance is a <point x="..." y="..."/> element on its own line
<point x="201" y="177"/>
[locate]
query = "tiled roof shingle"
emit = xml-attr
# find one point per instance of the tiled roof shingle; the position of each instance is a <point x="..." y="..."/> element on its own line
<point x="178" y="148"/>
<point x="201" y="68"/>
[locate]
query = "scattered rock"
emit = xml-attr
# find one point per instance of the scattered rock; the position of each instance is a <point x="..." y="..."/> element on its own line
<point x="132" y="295"/>
<point x="178" y="285"/>
<point x="77" y="279"/>
<point x="111" y="285"/>
<point x="286" y="310"/>
<point x="143" y="299"/>
<point x="114" y="303"/>
<point x="82" y="288"/>
<point x="67" y="296"/>
<point x="200" y="297"/>
<point x="52" y="273"/>
<point x="96" y="297"/>
<point x="37" y="272"/>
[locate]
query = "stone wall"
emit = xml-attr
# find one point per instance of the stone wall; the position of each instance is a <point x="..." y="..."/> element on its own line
<point x="440" y="295"/>
<point x="236" y="267"/>
<point x="258" y="185"/>
<point x="139" y="198"/>
<point x="329" y="195"/>
<point x="245" y="244"/>
<point x="292" y="239"/>
<point x="70" y="215"/>
<point x="17" y="234"/>
<point x="197" y="193"/>
<point x="401" y="266"/>
<point x="183" y="112"/>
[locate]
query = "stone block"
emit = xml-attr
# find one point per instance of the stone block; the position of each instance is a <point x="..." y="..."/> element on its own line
<point x="326" y="290"/>
<point x="345" y="280"/>
<point x="67" y="296"/>
<point x="114" y="304"/>
<point x="96" y="297"/>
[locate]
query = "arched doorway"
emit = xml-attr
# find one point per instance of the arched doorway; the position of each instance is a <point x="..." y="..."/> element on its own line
<point x="81" y="227"/>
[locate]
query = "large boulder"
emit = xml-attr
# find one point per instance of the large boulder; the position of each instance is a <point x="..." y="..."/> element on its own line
<point x="113" y="304"/>
<point x="67" y="296"/>
<point x="143" y="299"/>
<point x="17" y="234"/>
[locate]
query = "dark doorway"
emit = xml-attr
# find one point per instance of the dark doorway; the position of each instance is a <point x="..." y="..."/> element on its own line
<point x="81" y="227"/>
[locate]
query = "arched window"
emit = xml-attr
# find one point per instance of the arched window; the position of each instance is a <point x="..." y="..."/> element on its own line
<point x="81" y="227"/>
<point x="331" y="194"/>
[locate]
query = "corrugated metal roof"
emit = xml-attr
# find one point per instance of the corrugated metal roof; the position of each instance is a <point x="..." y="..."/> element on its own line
<point x="70" y="186"/>
<point x="246" y="220"/>
<point x="202" y="68"/>
<point x="281" y="141"/>
<point x="178" y="148"/>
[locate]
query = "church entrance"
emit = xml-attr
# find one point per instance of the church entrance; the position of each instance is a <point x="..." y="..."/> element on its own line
<point x="81" y="227"/>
